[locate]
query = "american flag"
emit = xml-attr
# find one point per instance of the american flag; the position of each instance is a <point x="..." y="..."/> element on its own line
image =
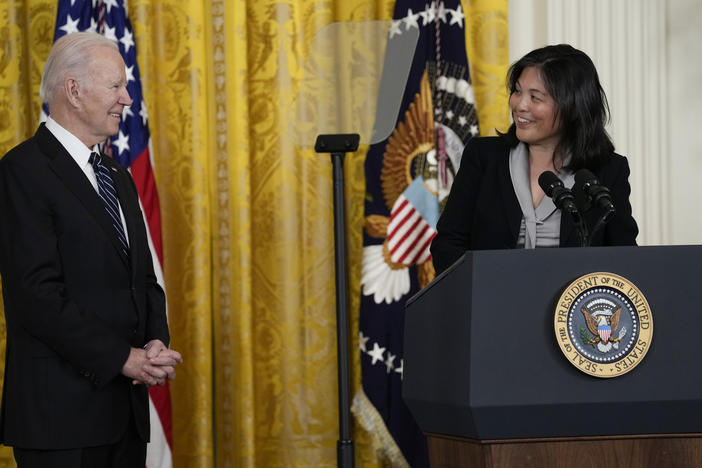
<point x="412" y="224"/>
<point x="130" y="147"/>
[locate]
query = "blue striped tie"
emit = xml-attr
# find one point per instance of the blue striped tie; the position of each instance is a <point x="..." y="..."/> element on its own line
<point x="108" y="194"/>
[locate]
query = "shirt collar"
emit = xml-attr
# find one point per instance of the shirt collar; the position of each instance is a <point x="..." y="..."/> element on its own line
<point x="76" y="148"/>
<point x="519" y="173"/>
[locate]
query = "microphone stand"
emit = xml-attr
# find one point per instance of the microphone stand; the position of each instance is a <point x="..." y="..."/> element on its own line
<point x="338" y="145"/>
<point x="581" y="225"/>
<point x="603" y="220"/>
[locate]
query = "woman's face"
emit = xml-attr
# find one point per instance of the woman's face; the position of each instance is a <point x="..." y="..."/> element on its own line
<point x="534" y="111"/>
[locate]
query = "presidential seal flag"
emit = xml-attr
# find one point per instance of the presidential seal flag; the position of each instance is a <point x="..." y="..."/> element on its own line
<point x="408" y="176"/>
<point x="130" y="147"/>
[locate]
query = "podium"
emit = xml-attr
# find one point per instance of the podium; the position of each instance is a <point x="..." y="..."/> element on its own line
<point x="487" y="382"/>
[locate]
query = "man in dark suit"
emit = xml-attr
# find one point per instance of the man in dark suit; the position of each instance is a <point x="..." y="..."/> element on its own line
<point x="86" y="322"/>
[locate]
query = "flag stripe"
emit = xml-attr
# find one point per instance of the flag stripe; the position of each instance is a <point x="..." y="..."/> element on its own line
<point x="145" y="182"/>
<point x="417" y="236"/>
<point x="410" y="233"/>
<point x="397" y="209"/>
<point x="423" y="253"/>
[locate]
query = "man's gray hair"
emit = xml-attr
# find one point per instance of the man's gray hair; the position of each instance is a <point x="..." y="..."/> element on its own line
<point x="69" y="56"/>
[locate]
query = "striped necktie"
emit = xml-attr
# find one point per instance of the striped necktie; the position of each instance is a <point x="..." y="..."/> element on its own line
<point x="108" y="194"/>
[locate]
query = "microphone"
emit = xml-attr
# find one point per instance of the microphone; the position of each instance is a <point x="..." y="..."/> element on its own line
<point x="562" y="196"/>
<point x="563" y="199"/>
<point x="596" y="194"/>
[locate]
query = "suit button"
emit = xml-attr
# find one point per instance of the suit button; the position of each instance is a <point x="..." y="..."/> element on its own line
<point x="134" y="332"/>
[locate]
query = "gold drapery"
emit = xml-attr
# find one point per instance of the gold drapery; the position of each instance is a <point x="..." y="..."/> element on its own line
<point x="247" y="215"/>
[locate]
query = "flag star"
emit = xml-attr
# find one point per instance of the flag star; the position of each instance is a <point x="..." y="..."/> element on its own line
<point x="362" y="340"/>
<point x="411" y="19"/>
<point x="400" y="370"/>
<point x="427" y="15"/>
<point x="93" y="25"/>
<point x="142" y="113"/>
<point x="127" y="40"/>
<point x="442" y="12"/>
<point x="457" y="16"/>
<point x="462" y="120"/>
<point x="474" y="130"/>
<point x="127" y="112"/>
<point x="130" y="73"/>
<point x="389" y="362"/>
<point x="110" y="33"/>
<point x="121" y="142"/>
<point x="376" y="353"/>
<point x="110" y="3"/>
<point x="71" y="25"/>
<point x="395" y="28"/>
<point x="449" y="114"/>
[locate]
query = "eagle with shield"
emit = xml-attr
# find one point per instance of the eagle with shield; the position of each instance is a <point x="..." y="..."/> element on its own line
<point x="604" y="324"/>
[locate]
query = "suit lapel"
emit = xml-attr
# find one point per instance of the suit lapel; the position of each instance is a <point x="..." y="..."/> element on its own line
<point x="75" y="181"/>
<point x="510" y="203"/>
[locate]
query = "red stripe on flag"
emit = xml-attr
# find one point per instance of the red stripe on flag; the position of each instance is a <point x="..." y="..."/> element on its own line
<point x="422" y="250"/>
<point x="406" y="235"/>
<point x="395" y="212"/>
<point x="401" y="223"/>
<point x="161" y="397"/>
<point x="408" y="240"/>
<point x="143" y="176"/>
<point x="414" y="242"/>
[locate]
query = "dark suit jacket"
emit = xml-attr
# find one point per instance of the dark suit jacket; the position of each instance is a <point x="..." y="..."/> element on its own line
<point x="482" y="210"/>
<point x="74" y="304"/>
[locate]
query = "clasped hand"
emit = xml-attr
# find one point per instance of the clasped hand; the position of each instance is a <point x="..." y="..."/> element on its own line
<point x="152" y="365"/>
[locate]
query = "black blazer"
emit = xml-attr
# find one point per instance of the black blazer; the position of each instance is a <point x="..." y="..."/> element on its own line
<point x="74" y="304"/>
<point x="482" y="210"/>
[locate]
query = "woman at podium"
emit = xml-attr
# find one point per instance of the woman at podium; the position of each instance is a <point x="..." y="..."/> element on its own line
<point x="559" y="111"/>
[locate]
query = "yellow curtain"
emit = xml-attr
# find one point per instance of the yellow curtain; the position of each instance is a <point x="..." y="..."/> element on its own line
<point x="247" y="215"/>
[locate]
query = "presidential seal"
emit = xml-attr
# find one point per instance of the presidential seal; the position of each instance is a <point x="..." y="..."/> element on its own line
<point x="603" y="324"/>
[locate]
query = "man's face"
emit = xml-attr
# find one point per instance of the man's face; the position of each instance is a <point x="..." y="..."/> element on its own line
<point x="104" y="96"/>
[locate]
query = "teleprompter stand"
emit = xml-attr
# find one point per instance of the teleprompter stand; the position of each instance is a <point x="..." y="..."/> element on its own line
<point x="338" y="145"/>
<point x="486" y="381"/>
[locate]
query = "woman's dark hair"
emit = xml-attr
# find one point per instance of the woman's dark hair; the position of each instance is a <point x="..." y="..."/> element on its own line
<point x="571" y="79"/>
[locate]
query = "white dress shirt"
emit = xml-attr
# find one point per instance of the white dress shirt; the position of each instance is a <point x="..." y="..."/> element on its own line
<point x="80" y="154"/>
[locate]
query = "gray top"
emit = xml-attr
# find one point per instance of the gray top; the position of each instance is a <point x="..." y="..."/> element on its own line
<point x="540" y="227"/>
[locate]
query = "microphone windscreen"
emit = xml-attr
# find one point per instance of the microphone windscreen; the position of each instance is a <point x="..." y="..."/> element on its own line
<point x="584" y="176"/>
<point x="548" y="181"/>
